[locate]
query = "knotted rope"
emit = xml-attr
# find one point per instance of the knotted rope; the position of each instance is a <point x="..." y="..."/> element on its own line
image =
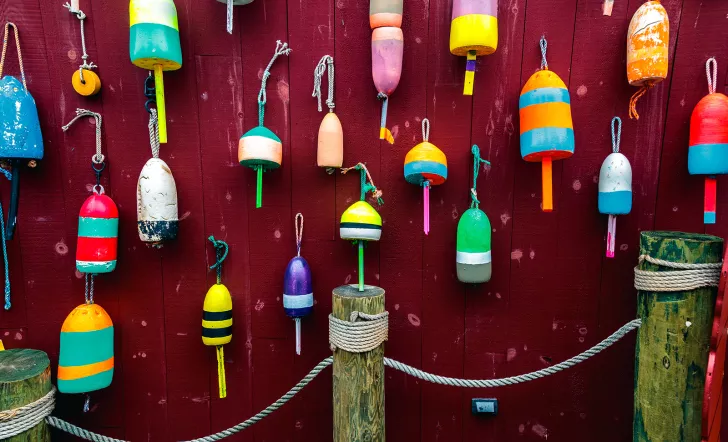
<point x="154" y="132"/>
<point x="88" y="292"/>
<point x="616" y="136"/>
<point x="6" y="37"/>
<point x="98" y="158"/>
<point x="85" y="65"/>
<point x="684" y="277"/>
<point x="637" y="95"/>
<point x="358" y="336"/>
<point x="477" y="161"/>
<point x="299" y="232"/>
<point x="544" y="44"/>
<point x="281" y="49"/>
<point x="318" y="73"/>
<point x="712" y="80"/>
<point x="221" y="252"/>
<point x="18" y="420"/>
<point x="366" y="186"/>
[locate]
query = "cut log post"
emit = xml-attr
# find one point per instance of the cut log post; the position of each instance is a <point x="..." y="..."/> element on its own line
<point x="358" y="377"/>
<point x="671" y="356"/>
<point x="25" y="377"/>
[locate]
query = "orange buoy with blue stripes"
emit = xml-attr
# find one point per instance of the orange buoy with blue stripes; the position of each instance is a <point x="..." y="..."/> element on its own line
<point x="425" y="165"/>
<point x="547" y="131"/>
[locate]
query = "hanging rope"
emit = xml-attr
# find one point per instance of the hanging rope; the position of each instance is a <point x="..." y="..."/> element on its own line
<point x="6" y="37"/>
<point x="616" y="136"/>
<point x="544" y="45"/>
<point x="281" y="49"/>
<point x="5" y="259"/>
<point x="299" y="232"/>
<point x="712" y="80"/>
<point x="154" y="132"/>
<point x="318" y="73"/>
<point x="684" y="277"/>
<point x="477" y="161"/>
<point x="98" y="158"/>
<point x="426" y="130"/>
<point x="85" y="65"/>
<point x="89" y="290"/>
<point x="221" y="252"/>
<point x="637" y="95"/>
<point x="366" y="187"/>
<point x="358" y="336"/>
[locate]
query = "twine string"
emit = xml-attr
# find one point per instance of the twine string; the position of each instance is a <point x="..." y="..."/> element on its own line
<point x="221" y="252"/>
<point x="318" y="73"/>
<point x="97" y="158"/>
<point x="281" y="49"/>
<point x="477" y="161"/>
<point x="6" y="37"/>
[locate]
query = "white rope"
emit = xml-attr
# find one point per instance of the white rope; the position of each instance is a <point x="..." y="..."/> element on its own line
<point x="229" y="20"/>
<point x="358" y="336"/>
<point x="299" y="232"/>
<point x="712" y="81"/>
<point x="98" y="158"/>
<point x="85" y="65"/>
<point x="425" y="129"/>
<point x="684" y="277"/>
<point x="154" y="132"/>
<point x="18" y="420"/>
<point x="318" y="73"/>
<point x="78" y="431"/>
<point x="616" y="135"/>
<point x="281" y="49"/>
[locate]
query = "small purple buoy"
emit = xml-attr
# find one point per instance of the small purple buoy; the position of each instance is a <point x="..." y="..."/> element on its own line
<point x="297" y="287"/>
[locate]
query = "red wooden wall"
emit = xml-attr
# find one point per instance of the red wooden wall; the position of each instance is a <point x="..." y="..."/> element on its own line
<point x="553" y="294"/>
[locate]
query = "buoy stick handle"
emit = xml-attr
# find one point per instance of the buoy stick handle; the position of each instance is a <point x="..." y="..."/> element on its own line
<point x="229" y="16"/>
<point x="259" y="189"/>
<point x="361" y="265"/>
<point x="611" y="235"/>
<point x="709" y="202"/>
<point x="298" y="335"/>
<point x="221" y="372"/>
<point x="546" y="185"/>
<point x="469" y="73"/>
<point x="14" y="200"/>
<point x="426" y="207"/>
<point x="161" y="111"/>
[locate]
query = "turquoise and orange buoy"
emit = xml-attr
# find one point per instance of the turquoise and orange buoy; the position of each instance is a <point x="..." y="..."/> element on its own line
<point x="708" y="151"/>
<point x="547" y="131"/>
<point x="425" y="165"/>
<point x="473" y="32"/>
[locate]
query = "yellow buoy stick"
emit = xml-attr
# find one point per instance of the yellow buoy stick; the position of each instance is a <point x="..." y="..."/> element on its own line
<point x="161" y="111"/>
<point x="469" y="73"/>
<point x="221" y="372"/>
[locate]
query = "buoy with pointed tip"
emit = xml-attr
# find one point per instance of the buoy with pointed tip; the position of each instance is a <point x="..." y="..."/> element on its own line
<point x="473" y="32"/>
<point x="230" y="18"/>
<point x="425" y="165"/>
<point x="615" y="186"/>
<point x="259" y="148"/>
<point x="473" y="249"/>
<point x="297" y="285"/>
<point x="330" y="152"/>
<point x="217" y="315"/>
<point x="547" y="131"/>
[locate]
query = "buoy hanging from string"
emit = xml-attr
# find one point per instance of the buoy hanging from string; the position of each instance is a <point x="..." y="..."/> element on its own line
<point x="154" y="45"/>
<point x="385" y="19"/>
<point x="425" y="165"/>
<point x="330" y="152"/>
<point x="473" y="32"/>
<point x="259" y="148"/>
<point x="708" y="151"/>
<point x="86" y="356"/>
<point x="360" y="222"/>
<point x="648" y="38"/>
<point x="547" y="132"/>
<point x="473" y="249"/>
<point x="98" y="219"/>
<point x="21" y="140"/>
<point x="297" y="285"/>
<point x="217" y="314"/>
<point x="85" y="81"/>
<point x="157" y="210"/>
<point x="615" y="186"/>
<point x="230" y="3"/>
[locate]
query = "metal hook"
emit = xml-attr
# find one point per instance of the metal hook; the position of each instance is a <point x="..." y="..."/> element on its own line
<point x="150" y="91"/>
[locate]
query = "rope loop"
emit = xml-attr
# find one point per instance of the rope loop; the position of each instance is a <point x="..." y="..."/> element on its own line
<point x="425" y="130"/>
<point x="98" y="157"/>
<point x="299" y="232"/>
<point x="712" y="79"/>
<point x="684" y="277"/>
<point x="366" y="187"/>
<point x="221" y="252"/>
<point x="154" y="132"/>
<point x="318" y="73"/>
<point x="281" y="49"/>
<point x="18" y="420"/>
<point x="477" y="161"/>
<point x="6" y="37"/>
<point x="357" y="336"/>
<point x="544" y="44"/>
<point x="616" y="136"/>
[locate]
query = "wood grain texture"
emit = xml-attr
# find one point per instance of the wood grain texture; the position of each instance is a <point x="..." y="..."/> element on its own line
<point x="25" y="377"/>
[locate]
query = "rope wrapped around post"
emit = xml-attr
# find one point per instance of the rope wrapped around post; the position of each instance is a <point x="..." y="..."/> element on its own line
<point x="358" y="336"/>
<point x="18" y="420"/>
<point x="684" y="277"/>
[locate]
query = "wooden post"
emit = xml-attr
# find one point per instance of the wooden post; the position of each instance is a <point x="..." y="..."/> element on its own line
<point x="25" y="377"/>
<point x="358" y="377"/>
<point x="671" y="356"/>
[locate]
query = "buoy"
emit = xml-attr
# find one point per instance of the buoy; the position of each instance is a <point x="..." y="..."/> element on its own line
<point x="361" y="222"/>
<point x="385" y="13"/>
<point x="615" y="186"/>
<point x="84" y="81"/>
<point x="259" y="148"/>
<point x="154" y="45"/>
<point x="473" y="32"/>
<point x="230" y="3"/>
<point x="217" y="315"/>
<point x="547" y="132"/>
<point x="330" y="152"/>
<point x="86" y="358"/>
<point x="387" y="54"/>
<point x="473" y="249"/>
<point x="425" y="165"/>
<point x="297" y="285"/>
<point x="157" y="210"/>
<point x="648" y="38"/>
<point x="708" y="151"/>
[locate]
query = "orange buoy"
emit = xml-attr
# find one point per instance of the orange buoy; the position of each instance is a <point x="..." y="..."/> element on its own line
<point x="330" y="152"/>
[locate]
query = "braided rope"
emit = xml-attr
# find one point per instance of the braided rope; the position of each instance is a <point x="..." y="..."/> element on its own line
<point x="78" y="431"/>
<point x="18" y="420"/>
<point x="221" y="252"/>
<point x="154" y="132"/>
<point x="5" y="259"/>
<point x="685" y="277"/>
<point x="85" y="65"/>
<point x="318" y="73"/>
<point x="281" y="49"/>
<point x="365" y="186"/>
<point x="477" y="161"/>
<point x="712" y="80"/>
<point x="616" y="136"/>
<point x="5" y="49"/>
<point x="89" y="290"/>
<point x="358" y="336"/>
<point x="544" y="44"/>
<point x="98" y="158"/>
<point x="425" y="129"/>
<point x="299" y="232"/>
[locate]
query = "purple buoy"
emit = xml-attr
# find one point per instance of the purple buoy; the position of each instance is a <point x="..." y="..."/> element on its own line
<point x="297" y="287"/>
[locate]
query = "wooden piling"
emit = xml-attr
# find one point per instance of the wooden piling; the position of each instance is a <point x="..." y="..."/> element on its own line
<point x="358" y="377"/>
<point x="25" y="377"/>
<point x="671" y="356"/>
